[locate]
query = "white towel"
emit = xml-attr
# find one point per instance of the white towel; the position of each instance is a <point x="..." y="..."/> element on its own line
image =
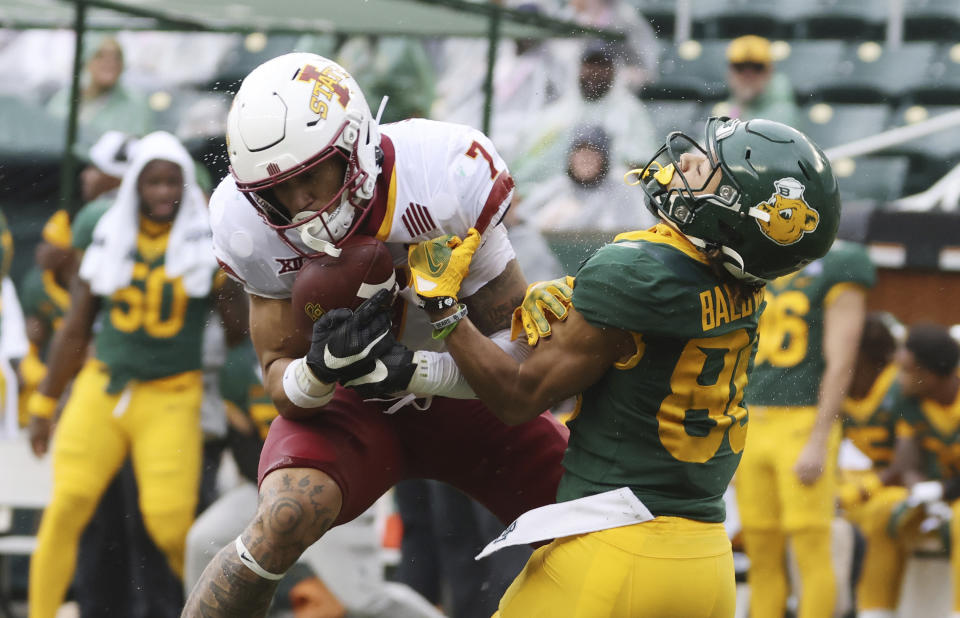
<point x="108" y="262"/>
<point x="610" y="509"/>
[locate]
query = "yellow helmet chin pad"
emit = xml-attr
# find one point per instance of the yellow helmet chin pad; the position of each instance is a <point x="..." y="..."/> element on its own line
<point x="663" y="174"/>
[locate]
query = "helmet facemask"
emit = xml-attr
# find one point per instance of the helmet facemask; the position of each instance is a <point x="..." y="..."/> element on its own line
<point x="291" y="114"/>
<point x="681" y="204"/>
<point x="321" y="230"/>
<point x="710" y="220"/>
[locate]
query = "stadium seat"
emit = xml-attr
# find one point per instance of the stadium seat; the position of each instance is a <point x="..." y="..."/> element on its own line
<point x="833" y="125"/>
<point x="686" y="116"/>
<point x="942" y="83"/>
<point x="940" y="145"/>
<point x="661" y="14"/>
<point x="838" y="19"/>
<point x="27" y="129"/>
<point x="871" y="178"/>
<point x="693" y="70"/>
<point x="855" y="219"/>
<point x="807" y="62"/>
<point x="932" y="156"/>
<point x="931" y="19"/>
<point x="733" y="18"/>
<point x="255" y="49"/>
<point x="873" y="73"/>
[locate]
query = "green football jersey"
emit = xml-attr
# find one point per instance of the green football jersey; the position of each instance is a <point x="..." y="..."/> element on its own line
<point x="42" y="297"/>
<point x="150" y="329"/>
<point x="668" y="423"/>
<point x="790" y="360"/>
<point x="871" y="422"/>
<point x="240" y="386"/>
<point x="937" y="428"/>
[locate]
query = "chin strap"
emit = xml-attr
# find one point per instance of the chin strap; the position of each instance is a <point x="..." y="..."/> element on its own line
<point x="310" y="233"/>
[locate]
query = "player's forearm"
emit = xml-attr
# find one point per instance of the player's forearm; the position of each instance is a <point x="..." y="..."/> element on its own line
<point x="497" y="378"/>
<point x="437" y="373"/>
<point x="833" y="389"/>
<point x="274" y="378"/>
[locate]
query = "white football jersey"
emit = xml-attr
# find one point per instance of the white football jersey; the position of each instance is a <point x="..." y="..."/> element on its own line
<point x="437" y="178"/>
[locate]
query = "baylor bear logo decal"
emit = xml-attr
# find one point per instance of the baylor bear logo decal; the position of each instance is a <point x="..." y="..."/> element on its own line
<point x="790" y="215"/>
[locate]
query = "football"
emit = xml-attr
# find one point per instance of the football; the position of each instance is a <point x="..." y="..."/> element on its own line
<point x="363" y="267"/>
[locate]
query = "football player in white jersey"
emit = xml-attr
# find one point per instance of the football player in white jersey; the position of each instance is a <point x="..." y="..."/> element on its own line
<point x="310" y="168"/>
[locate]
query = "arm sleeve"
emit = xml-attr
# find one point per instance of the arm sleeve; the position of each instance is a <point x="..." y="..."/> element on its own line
<point x="31" y="291"/>
<point x="482" y="181"/>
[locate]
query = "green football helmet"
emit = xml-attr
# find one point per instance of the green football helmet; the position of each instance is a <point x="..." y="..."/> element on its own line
<point x="777" y="206"/>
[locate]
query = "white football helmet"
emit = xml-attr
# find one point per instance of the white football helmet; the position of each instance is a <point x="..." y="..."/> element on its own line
<point x="290" y="114"/>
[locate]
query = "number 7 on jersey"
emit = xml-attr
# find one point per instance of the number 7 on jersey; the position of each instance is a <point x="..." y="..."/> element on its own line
<point x="476" y="149"/>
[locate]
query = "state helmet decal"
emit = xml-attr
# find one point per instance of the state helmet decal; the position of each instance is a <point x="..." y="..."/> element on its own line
<point x="790" y="215"/>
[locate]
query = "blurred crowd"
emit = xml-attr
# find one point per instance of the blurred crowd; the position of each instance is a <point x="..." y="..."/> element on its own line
<point x="567" y="118"/>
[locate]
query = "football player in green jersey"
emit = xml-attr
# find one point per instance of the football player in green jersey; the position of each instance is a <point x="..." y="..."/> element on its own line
<point x="868" y="497"/>
<point x="786" y="485"/>
<point x="658" y="341"/>
<point x="45" y="298"/>
<point x="928" y="435"/>
<point x="148" y="279"/>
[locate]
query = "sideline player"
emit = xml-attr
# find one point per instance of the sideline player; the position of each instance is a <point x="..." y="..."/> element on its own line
<point x="311" y="167"/>
<point x="147" y="279"/>
<point x="786" y="485"/>
<point x="659" y="340"/>
<point x="868" y="497"/>
<point x="929" y="434"/>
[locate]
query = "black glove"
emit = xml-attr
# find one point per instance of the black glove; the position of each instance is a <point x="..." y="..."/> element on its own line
<point x="391" y="373"/>
<point x="347" y="343"/>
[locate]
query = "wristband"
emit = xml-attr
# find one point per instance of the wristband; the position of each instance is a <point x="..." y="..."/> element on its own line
<point x="437" y="303"/>
<point x="445" y="332"/>
<point x="41" y="406"/>
<point x="302" y="387"/>
<point x="450" y="320"/>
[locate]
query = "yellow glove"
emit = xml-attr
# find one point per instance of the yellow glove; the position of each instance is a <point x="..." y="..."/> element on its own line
<point x="531" y="316"/>
<point x="439" y="266"/>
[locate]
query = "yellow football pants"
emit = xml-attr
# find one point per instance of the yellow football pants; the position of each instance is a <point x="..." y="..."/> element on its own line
<point x="667" y="567"/>
<point x="955" y="553"/>
<point x="774" y="505"/>
<point x="158" y="424"/>
<point x="883" y="563"/>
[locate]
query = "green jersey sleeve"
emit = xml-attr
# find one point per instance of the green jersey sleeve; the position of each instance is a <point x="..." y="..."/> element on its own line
<point x="32" y="293"/>
<point x="86" y="220"/>
<point x="849" y="263"/>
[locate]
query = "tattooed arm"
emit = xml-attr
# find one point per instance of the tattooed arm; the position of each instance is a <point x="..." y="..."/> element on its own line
<point x="297" y="506"/>
<point x="491" y="307"/>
